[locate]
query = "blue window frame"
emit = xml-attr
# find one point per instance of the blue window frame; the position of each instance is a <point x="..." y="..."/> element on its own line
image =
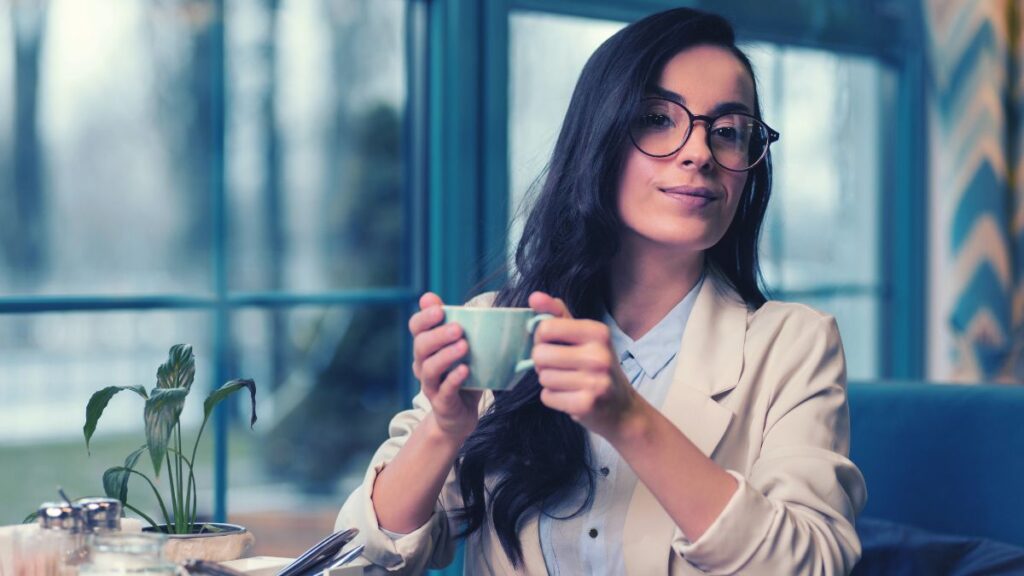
<point x="456" y="173"/>
<point x="476" y="42"/>
<point x="226" y="295"/>
<point x="478" y="45"/>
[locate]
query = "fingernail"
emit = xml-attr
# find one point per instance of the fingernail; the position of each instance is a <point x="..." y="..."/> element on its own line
<point x="453" y="330"/>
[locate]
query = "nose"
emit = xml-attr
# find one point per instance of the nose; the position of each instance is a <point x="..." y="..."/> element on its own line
<point x="695" y="152"/>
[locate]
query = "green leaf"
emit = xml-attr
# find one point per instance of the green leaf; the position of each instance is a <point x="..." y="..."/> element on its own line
<point x="163" y="408"/>
<point x="98" y="403"/>
<point x="180" y="369"/>
<point x="115" y="480"/>
<point x="156" y="493"/>
<point x="228" y="389"/>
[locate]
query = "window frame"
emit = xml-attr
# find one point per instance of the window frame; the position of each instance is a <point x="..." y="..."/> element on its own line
<point x="889" y="31"/>
<point x="456" y="161"/>
<point x="220" y="301"/>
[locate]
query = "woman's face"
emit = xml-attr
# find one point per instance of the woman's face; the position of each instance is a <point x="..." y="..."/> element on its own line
<point x="686" y="201"/>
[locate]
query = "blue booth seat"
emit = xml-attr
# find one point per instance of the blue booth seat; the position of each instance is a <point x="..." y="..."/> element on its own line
<point x="944" y="458"/>
<point x="944" y="466"/>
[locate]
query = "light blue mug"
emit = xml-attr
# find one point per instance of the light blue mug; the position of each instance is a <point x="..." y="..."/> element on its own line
<point x="500" y="342"/>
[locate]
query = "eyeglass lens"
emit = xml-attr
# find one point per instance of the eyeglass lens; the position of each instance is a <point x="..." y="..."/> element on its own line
<point x="737" y="141"/>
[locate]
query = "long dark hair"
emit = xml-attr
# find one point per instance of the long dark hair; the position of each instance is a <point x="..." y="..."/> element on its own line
<point x="534" y="454"/>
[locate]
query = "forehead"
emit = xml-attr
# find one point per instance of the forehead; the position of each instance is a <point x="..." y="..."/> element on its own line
<point x="706" y="76"/>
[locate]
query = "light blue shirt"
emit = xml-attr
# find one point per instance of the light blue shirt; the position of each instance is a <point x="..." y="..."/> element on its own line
<point x="591" y="542"/>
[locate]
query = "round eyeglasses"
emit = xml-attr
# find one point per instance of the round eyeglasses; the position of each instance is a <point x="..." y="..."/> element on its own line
<point x="737" y="141"/>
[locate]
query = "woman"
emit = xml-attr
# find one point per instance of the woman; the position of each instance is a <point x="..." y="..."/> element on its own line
<point x="676" y="422"/>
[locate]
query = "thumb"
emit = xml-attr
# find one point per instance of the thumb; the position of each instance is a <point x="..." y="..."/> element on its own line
<point x="430" y="299"/>
<point x="546" y="304"/>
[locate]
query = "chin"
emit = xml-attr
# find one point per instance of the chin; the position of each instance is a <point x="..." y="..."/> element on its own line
<point x="681" y="243"/>
<point x="688" y="238"/>
<point x="687" y="235"/>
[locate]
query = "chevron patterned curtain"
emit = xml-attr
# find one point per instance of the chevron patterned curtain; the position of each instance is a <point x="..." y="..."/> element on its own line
<point x="975" y="103"/>
<point x="1016" y="18"/>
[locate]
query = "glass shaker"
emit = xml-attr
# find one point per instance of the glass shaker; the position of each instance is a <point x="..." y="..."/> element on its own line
<point x="48" y="550"/>
<point x="127" y="554"/>
<point x="99" y="514"/>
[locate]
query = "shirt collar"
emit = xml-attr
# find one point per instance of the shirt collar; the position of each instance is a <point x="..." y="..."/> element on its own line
<point x="655" y="349"/>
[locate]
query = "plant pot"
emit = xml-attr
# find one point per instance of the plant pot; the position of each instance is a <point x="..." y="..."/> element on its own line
<point x="227" y="542"/>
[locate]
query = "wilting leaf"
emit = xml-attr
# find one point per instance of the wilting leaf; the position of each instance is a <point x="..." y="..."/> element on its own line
<point x="115" y="480"/>
<point x="98" y="403"/>
<point x="161" y="415"/>
<point x="180" y="369"/>
<point x="228" y="389"/>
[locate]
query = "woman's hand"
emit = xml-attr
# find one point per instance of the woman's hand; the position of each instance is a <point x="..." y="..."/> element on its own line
<point x="435" y="349"/>
<point x="579" y="371"/>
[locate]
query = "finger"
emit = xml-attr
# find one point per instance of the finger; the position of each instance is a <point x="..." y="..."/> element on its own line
<point x="452" y="383"/>
<point x="546" y="304"/>
<point x="436" y="365"/>
<point x="429" y="299"/>
<point x="590" y="357"/>
<point x="571" y="331"/>
<point x="425" y="319"/>
<point x="565" y="380"/>
<point x="429" y="342"/>
<point x="573" y="403"/>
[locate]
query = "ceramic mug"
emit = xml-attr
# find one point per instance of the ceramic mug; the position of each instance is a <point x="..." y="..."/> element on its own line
<point x="500" y="341"/>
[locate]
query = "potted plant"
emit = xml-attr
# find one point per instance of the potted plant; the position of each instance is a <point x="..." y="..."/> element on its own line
<point x="189" y="538"/>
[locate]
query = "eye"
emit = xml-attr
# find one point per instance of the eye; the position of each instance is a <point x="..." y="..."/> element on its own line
<point x="656" y="121"/>
<point x="732" y="129"/>
<point x="729" y="133"/>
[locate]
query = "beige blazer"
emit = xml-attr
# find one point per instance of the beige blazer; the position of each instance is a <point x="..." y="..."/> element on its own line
<point x="763" y="393"/>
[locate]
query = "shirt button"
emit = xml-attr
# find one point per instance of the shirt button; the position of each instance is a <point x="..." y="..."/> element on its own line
<point x="593" y="532"/>
<point x="604" y="471"/>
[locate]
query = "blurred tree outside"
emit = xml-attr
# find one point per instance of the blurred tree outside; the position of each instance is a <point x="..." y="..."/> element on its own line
<point x="356" y="384"/>
<point x="341" y="418"/>
<point x="188" y="91"/>
<point x="23" y="225"/>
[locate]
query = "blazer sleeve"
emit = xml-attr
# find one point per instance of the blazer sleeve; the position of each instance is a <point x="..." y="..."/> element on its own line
<point x="429" y="546"/>
<point x="793" y="513"/>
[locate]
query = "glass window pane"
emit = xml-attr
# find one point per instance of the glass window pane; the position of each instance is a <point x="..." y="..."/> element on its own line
<point x="105" y="137"/>
<point x="315" y="144"/>
<point x="823" y="223"/>
<point x="857" y="317"/>
<point x="50" y="367"/>
<point x="543" y="68"/>
<point x="326" y="394"/>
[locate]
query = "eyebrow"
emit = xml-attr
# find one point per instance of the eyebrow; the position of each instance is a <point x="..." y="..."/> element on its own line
<point x="720" y="108"/>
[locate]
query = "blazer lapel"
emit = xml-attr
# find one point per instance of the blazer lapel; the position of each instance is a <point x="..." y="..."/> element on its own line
<point x="710" y="363"/>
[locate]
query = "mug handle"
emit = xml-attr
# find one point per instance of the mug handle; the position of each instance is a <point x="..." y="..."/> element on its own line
<point x="531" y="326"/>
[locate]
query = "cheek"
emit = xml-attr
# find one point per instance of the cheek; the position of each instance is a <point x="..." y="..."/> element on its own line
<point x="634" y="178"/>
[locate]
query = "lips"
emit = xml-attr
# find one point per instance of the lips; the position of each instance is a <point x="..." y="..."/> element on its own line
<point x="691" y="197"/>
<point x="691" y="191"/>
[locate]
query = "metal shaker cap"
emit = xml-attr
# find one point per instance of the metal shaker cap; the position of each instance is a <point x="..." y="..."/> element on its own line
<point x="59" y="516"/>
<point x="100" y="514"/>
